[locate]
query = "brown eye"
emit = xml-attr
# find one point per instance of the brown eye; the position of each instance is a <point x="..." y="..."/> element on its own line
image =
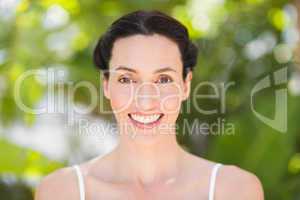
<point x="125" y="80"/>
<point x="165" y="79"/>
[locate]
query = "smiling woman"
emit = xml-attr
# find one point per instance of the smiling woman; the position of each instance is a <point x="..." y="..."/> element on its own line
<point x="147" y="61"/>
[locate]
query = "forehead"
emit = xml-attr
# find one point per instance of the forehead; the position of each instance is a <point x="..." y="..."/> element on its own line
<point x="146" y="53"/>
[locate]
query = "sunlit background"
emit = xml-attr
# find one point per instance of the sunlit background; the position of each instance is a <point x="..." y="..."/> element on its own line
<point x="240" y="41"/>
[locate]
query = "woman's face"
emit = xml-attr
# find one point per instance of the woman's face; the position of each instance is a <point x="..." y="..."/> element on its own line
<point x="145" y="86"/>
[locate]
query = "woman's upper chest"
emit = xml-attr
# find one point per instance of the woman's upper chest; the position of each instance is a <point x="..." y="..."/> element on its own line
<point x="96" y="190"/>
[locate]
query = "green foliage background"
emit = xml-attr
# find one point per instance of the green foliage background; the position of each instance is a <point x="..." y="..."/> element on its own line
<point x="273" y="156"/>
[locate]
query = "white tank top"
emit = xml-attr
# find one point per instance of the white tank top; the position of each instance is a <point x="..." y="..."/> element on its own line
<point x="211" y="191"/>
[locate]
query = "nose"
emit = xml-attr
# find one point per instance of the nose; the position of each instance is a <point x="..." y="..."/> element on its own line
<point x="147" y="97"/>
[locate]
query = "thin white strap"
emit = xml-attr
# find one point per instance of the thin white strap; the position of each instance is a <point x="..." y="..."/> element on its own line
<point x="80" y="181"/>
<point x="213" y="181"/>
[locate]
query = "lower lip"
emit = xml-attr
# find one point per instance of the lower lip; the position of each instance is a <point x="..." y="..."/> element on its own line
<point x="146" y="126"/>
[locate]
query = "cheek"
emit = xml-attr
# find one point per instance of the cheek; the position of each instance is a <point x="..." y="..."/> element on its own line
<point x="121" y="98"/>
<point x="170" y="99"/>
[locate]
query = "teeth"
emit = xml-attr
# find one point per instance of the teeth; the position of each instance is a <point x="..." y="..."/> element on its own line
<point x="145" y="119"/>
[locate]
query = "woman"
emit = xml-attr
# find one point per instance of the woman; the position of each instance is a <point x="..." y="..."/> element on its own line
<point x="147" y="60"/>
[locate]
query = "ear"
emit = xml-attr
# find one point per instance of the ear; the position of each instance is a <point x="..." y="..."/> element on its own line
<point x="105" y="87"/>
<point x="187" y="85"/>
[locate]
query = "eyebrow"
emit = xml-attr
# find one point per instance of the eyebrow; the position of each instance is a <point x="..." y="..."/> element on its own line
<point x="155" y="72"/>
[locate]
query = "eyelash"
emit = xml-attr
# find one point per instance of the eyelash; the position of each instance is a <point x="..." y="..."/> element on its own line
<point x="170" y="79"/>
<point x="122" y="78"/>
<point x="165" y="76"/>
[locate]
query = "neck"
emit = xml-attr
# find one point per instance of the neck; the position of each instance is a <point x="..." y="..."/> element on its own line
<point x="148" y="164"/>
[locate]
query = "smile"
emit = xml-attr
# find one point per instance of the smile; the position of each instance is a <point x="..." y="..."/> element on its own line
<point x="145" y="119"/>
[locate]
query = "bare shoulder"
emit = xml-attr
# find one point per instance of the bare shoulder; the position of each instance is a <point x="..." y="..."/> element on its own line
<point x="59" y="185"/>
<point x="236" y="183"/>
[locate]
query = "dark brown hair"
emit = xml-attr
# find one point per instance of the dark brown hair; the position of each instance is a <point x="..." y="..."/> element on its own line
<point x="146" y="23"/>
